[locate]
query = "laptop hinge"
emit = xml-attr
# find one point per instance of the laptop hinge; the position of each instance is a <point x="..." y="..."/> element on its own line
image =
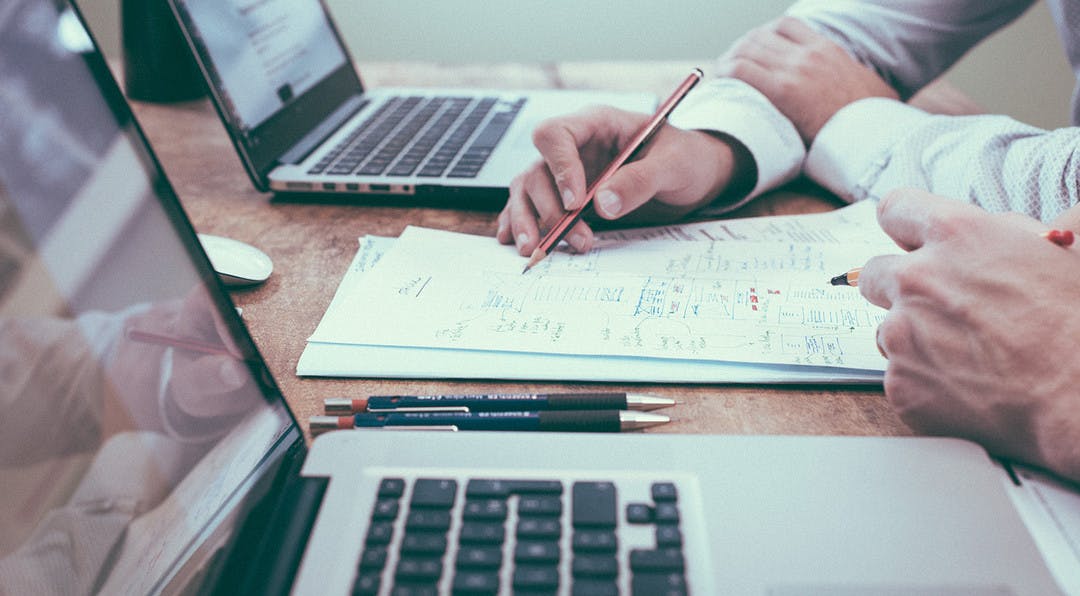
<point x="320" y="133"/>
<point x="265" y="554"/>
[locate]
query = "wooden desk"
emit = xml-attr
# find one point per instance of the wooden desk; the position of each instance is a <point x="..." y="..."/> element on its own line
<point x="312" y="245"/>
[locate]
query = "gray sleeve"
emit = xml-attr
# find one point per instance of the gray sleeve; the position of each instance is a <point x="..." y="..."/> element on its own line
<point x="991" y="161"/>
<point x="908" y="42"/>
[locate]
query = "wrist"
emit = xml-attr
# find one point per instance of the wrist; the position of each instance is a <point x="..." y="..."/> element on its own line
<point x="735" y="171"/>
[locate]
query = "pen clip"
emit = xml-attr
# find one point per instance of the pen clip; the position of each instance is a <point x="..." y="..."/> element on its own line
<point x="421" y="409"/>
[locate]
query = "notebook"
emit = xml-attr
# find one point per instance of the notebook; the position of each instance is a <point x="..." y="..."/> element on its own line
<point x="134" y="463"/>
<point x="302" y="121"/>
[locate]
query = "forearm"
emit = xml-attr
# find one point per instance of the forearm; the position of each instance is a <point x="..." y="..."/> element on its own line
<point x="991" y="161"/>
<point x="908" y="42"/>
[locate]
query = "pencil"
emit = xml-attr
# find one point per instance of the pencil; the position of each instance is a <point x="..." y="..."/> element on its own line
<point x="182" y="343"/>
<point x="1063" y="238"/>
<point x="560" y="229"/>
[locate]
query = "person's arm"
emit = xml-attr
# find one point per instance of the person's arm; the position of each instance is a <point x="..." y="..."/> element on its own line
<point x="875" y="145"/>
<point x="908" y="43"/>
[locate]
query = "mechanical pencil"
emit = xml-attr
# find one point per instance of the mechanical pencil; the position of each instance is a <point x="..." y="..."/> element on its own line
<point x="495" y="402"/>
<point x="549" y="421"/>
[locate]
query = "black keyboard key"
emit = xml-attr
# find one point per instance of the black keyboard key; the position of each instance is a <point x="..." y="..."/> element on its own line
<point x="385" y="509"/>
<point x="423" y="543"/>
<point x="664" y="492"/>
<point x="594" y="587"/>
<point x="666" y="513"/>
<point x="532" y="577"/>
<point x="535" y="551"/>
<point x="505" y="488"/>
<point x="415" y="590"/>
<point x="434" y="494"/>
<point x="482" y="557"/>
<point x="435" y="521"/>
<point x="475" y="583"/>
<point x="418" y="569"/>
<point x="595" y="541"/>
<point x="665" y="559"/>
<point x="668" y="536"/>
<point x="484" y="510"/>
<point x="540" y="506"/>
<point x="367" y="584"/>
<point x="391" y="488"/>
<point x="595" y="566"/>
<point x="639" y="513"/>
<point x="658" y="584"/>
<point x="380" y="533"/>
<point x="373" y="558"/>
<point x="482" y="533"/>
<point x="539" y="528"/>
<point x="594" y="504"/>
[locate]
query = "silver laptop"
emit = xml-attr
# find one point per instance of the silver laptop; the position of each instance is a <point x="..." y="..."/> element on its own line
<point x="302" y="121"/>
<point x="144" y="447"/>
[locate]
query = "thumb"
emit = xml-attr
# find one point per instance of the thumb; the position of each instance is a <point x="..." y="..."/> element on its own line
<point x="633" y="185"/>
<point x="207" y="387"/>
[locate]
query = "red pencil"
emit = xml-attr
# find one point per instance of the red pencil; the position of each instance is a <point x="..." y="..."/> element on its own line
<point x="556" y="233"/>
<point x="1062" y="238"/>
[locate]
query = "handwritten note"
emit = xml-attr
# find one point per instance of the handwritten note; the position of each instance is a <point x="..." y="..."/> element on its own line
<point x="751" y="291"/>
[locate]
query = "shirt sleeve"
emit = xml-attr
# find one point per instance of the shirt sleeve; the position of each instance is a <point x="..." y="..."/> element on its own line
<point x="736" y="109"/>
<point x="908" y="42"/>
<point x="876" y="145"/>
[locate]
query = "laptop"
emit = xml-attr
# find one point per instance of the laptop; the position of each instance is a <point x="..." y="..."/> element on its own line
<point x="145" y="447"/>
<point x="292" y="100"/>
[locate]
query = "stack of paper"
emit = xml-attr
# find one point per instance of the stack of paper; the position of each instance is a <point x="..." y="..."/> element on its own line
<point x="741" y="301"/>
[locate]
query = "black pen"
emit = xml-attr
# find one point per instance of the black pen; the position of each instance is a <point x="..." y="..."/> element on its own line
<point x="495" y="402"/>
<point x="551" y="421"/>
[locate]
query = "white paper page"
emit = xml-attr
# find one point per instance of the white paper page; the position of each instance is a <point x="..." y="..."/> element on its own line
<point x="854" y="224"/>
<point x="345" y="360"/>
<point x="733" y="300"/>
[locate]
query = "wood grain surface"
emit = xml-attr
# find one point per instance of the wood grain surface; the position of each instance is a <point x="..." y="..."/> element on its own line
<point x="312" y="243"/>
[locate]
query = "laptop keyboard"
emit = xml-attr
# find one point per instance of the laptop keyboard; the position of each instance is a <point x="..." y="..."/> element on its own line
<point x="426" y="137"/>
<point x="514" y="536"/>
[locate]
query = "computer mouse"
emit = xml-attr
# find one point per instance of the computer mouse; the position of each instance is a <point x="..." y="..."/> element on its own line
<point x="237" y="263"/>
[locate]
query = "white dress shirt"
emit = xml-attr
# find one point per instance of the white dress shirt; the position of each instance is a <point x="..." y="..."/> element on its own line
<point x="875" y="145"/>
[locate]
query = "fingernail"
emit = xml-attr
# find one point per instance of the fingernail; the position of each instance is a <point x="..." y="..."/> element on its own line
<point x="522" y="239"/>
<point x="567" y="198"/>
<point x="609" y="202"/>
<point x="501" y="229"/>
<point x="577" y="241"/>
<point x="230" y="374"/>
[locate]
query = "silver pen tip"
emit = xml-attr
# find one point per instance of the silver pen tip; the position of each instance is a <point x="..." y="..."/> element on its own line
<point x="636" y="401"/>
<point x="630" y="420"/>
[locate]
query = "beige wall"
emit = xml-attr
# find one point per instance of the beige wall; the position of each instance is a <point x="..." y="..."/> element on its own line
<point x="1021" y="71"/>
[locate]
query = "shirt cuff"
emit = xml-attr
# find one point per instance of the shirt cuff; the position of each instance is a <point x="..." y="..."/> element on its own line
<point x="734" y="108"/>
<point x="851" y="150"/>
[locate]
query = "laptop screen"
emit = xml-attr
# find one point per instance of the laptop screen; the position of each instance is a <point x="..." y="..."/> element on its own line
<point x="265" y="52"/>
<point x="275" y="68"/>
<point x="133" y="405"/>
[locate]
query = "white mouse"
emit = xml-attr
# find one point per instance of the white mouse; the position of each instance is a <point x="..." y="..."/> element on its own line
<point x="237" y="263"/>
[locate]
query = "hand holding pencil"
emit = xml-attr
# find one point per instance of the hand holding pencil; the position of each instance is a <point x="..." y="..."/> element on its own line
<point x="677" y="171"/>
<point x="980" y="333"/>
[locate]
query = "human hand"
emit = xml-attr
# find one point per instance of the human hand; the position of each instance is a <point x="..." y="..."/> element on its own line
<point x="682" y="170"/>
<point x="804" y="74"/>
<point x="981" y="330"/>
<point x="198" y="386"/>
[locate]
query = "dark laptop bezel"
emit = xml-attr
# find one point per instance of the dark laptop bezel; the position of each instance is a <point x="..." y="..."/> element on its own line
<point x="273" y="491"/>
<point x="261" y="149"/>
